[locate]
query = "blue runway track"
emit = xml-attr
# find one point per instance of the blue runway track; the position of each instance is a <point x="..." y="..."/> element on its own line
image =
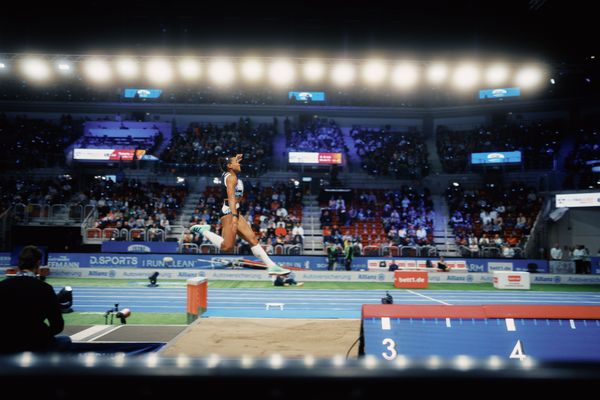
<point x="303" y="303"/>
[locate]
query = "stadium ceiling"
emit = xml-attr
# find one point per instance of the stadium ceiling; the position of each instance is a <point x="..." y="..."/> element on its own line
<point x="556" y="31"/>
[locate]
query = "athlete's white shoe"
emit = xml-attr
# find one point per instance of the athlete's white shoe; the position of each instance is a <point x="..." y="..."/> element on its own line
<point x="277" y="270"/>
<point x="196" y="229"/>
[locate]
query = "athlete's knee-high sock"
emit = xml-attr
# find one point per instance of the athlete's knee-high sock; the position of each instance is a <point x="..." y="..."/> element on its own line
<point x="213" y="238"/>
<point x="259" y="252"/>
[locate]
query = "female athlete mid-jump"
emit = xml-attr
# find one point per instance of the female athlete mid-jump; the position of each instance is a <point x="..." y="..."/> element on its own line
<point x="232" y="223"/>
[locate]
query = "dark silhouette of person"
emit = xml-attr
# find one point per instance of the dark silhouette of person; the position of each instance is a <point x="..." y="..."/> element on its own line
<point x="28" y="303"/>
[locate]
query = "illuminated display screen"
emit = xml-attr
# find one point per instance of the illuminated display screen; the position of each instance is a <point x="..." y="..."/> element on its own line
<point x="307" y="96"/>
<point x="142" y="93"/>
<point x="500" y="157"/>
<point x="578" y="200"/>
<point x="107" y="154"/>
<point x="315" y="158"/>
<point x="500" y="92"/>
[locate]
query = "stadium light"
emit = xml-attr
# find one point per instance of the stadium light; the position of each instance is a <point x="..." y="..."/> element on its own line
<point x="190" y="69"/>
<point x="97" y="70"/>
<point x="36" y="69"/>
<point x="127" y="68"/>
<point x="465" y="76"/>
<point x="159" y="71"/>
<point x="221" y="72"/>
<point x="313" y="70"/>
<point x="437" y="73"/>
<point x="529" y="77"/>
<point x="343" y="74"/>
<point x="252" y="70"/>
<point x="496" y="74"/>
<point x="282" y="72"/>
<point x="405" y="75"/>
<point x="64" y="67"/>
<point x="374" y="72"/>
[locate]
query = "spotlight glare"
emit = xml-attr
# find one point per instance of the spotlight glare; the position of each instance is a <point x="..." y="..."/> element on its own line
<point x="405" y="75"/>
<point x="374" y="72"/>
<point x="281" y="73"/>
<point x="36" y="69"/>
<point x="342" y="74"/>
<point x="221" y="72"/>
<point x="159" y="71"/>
<point x="529" y="77"/>
<point x="496" y="74"/>
<point x="313" y="71"/>
<point x="252" y="70"/>
<point x="189" y="69"/>
<point x="97" y="70"/>
<point x="465" y="76"/>
<point x="127" y="68"/>
<point x="64" y="67"/>
<point x="437" y="73"/>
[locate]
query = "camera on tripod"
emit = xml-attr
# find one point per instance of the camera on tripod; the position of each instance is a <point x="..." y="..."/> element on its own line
<point x="387" y="299"/>
<point x="115" y="312"/>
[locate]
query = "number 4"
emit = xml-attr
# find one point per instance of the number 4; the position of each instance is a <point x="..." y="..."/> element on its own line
<point x="518" y="351"/>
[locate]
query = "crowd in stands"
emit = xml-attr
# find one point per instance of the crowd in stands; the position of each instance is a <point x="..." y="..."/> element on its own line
<point x="384" y="152"/>
<point x="492" y="221"/>
<point x="538" y="142"/>
<point x="15" y="191"/>
<point x="149" y="208"/>
<point x="403" y="217"/>
<point x="203" y="144"/>
<point x="274" y="213"/>
<point x="35" y="143"/>
<point x="321" y="135"/>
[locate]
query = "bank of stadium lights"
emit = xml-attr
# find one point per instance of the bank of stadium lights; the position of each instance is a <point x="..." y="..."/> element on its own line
<point x="127" y="68"/>
<point x="36" y="69"/>
<point x="64" y="67"/>
<point x="466" y="76"/>
<point x="159" y="71"/>
<point x="221" y="72"/>
<point x="374" y="72"/>
<point x="278" y="72"/>
<point x="252" y="70"/>
<point x="343" y="74"/>
<point x="437" y="73"/>
<point x="497" y="74"/>
<point x="405" y="75"/>
<point x="190" y="69"/>
<point x="97" y="70"/>
<point x="313" y="70"/>
<point x="529" y="77"/>
<point x="282" y="72"/>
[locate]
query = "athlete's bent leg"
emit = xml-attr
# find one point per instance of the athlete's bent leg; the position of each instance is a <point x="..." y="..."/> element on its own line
<point x="247" y="234"/>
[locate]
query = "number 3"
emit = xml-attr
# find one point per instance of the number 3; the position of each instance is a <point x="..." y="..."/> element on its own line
<point x="391" y="346"/>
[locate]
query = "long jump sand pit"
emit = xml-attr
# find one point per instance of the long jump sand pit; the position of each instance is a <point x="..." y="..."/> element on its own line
<point x="262" y="337"/>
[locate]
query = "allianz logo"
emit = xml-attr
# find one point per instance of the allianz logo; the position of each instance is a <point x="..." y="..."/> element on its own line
<point x="138" y="248"/>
